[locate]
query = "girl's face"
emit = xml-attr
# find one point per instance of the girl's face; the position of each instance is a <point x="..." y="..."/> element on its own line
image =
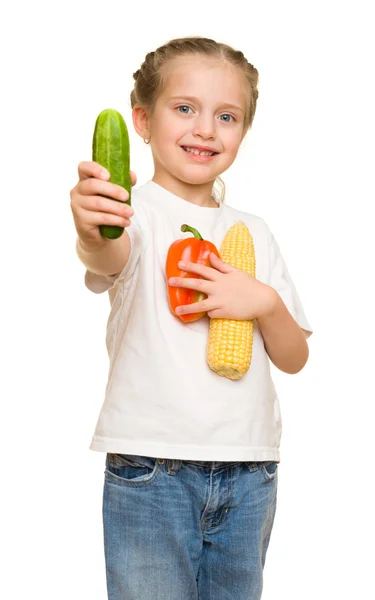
<point x="201" y="109"/>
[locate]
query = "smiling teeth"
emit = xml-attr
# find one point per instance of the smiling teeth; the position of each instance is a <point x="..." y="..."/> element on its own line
<point x="194" y="151"/>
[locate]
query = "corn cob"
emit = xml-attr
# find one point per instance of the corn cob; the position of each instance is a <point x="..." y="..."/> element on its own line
<point x="230" y="341"/>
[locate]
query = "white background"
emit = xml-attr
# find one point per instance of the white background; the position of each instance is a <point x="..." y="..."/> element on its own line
<point x="306" y="167"/>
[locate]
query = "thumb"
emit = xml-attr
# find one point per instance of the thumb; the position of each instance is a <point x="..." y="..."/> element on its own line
<point x="133" y="178"/>
<point x="220" y="265"/>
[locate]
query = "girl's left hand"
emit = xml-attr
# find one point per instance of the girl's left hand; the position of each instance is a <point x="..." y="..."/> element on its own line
<point x="231" y="293"/>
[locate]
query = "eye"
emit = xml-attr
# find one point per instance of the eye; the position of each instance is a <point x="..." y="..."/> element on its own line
<point x="226" y="118"/>
<point x="184" y="109"/>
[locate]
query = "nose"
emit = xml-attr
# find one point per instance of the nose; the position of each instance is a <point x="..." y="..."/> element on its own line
<point x="204" y="126"/>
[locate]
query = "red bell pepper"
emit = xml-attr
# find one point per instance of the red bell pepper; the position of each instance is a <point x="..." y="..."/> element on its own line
<point x="196" y="250"/>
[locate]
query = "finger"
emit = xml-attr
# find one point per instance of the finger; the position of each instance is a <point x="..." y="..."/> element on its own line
<point x="92" y="169"/>
<point x="96" y="218"/>
<point x="195" y="307"/>
<point x="220" y="265"/>
<point x="106" y="218"/>
<point x="216" y="313"/>
<point x="92" y="186"/>
<point x="200" y="285"/>
<point x="102" y="204"/>
<point x="206" y="272"/>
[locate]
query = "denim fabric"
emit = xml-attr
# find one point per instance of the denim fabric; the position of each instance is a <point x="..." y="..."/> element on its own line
<point x="186" y="530"/>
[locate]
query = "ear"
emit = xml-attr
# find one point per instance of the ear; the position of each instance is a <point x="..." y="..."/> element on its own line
<point x="141" y="121"/>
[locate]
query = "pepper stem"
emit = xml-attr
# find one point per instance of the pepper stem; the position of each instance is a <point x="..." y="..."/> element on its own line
<point x="192" y="230"/>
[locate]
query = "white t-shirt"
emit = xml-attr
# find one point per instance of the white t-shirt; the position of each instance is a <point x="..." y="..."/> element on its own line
<point x="162" y="399"/>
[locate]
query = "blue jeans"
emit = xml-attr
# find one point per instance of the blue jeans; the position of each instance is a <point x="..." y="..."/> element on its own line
<point x="186" y="530"/>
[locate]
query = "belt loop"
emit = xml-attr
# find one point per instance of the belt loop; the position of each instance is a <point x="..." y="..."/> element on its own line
<point x="174" y="466"/>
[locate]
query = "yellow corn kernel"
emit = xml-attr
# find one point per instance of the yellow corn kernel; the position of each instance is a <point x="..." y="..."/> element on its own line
<point x="230" y="341"/>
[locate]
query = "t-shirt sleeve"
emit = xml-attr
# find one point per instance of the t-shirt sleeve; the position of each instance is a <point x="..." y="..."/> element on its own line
<point x="102" y="283"/>
<point x="281" y="281"/>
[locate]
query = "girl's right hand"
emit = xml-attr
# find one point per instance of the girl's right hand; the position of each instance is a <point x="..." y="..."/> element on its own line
<point x="90" y="209"/>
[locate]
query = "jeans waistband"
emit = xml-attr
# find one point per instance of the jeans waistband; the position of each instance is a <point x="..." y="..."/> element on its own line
<point x="210" y="463"/>
<point x="174" y="464"/>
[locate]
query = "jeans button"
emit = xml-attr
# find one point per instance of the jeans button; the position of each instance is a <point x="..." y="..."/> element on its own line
<point x="161" y="461"/>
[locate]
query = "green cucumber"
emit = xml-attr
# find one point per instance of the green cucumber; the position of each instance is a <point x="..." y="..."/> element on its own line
<point x="111" y="149"/>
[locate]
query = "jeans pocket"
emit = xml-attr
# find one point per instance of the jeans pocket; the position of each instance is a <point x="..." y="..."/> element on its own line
<point x="269" y="468"/>
<point x="127" y="469"/>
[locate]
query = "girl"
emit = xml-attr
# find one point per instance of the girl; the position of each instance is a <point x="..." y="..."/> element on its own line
<point x="191" y="457"/>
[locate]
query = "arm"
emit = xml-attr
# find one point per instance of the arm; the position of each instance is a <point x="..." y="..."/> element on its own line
<point x="94" y="201"/>
<point x="233" y="294"/>
<point x="109" y="258"/>
<point x="284" y="339"/>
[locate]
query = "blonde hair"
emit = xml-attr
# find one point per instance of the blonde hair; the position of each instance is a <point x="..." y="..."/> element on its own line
<point x="149" y="79"/>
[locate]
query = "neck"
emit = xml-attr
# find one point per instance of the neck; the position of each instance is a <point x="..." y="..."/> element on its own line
<point x="199" y="194"/>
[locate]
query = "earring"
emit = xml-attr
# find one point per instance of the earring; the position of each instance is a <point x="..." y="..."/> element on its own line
<point x="146" y="140"/>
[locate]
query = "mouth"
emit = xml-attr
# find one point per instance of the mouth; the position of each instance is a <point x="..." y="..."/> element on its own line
<point x="204" y="153"/>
